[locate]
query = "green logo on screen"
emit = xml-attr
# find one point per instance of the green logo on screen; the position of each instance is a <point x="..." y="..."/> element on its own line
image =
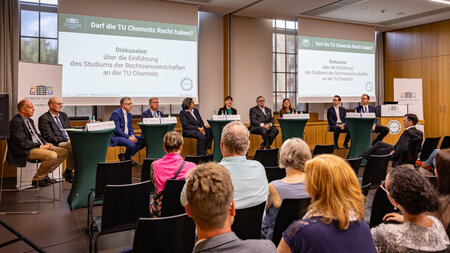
<point x="186" y="84"/>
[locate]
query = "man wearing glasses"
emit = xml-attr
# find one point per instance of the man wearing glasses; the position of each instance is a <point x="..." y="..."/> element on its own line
<point x="366" y="108"/>
<point x="153" y="112"/>
<point x="123" y="135"/>
<point x="261" y="123"/>
<point x="52" y="125"/>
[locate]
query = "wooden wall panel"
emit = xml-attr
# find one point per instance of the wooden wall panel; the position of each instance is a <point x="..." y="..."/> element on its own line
<point x="436" y="39"/>
<point x="444" y="92"/>
<point x="399" y="69"/>
<point x="430" y="88"/>
<point x="403" y="44"/>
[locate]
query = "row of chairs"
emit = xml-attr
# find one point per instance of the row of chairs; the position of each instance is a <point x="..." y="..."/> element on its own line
<point x="431" y="144"/>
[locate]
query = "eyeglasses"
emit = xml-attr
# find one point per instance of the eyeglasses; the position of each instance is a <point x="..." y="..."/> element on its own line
<point x="59" y="103"/>
<point x="383" y="186"/>
<point x="261" y="100"/>
<point x="128" y="103"/>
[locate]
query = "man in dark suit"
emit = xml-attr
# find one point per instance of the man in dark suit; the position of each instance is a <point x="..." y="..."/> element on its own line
<point x="52" y="125"/>
<point x="193" y="126"/>
<point x="123" y="135"/>
<point x="366" y="108"/>
<point x="336" y="121"/>
<point x="399" y="152"/>
<point x="227" y="109"/>
<point x="261" y="122"/>
<point x="26" y="144"/>
<point x="153" y="112"/>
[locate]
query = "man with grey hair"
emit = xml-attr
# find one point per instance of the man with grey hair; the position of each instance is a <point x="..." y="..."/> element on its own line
<point x="249" y="177"/>
<point x="153" y="112"/>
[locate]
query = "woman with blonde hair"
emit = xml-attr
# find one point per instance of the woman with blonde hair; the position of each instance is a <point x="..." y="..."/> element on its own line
<point x="334" y="221"/>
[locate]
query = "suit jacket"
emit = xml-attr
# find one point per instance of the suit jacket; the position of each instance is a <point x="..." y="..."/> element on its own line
<point x="332" y="118"/>
<point x="190" y="124"/>
<point x="229" y="242"/>
<point x="20" y="141"/>
<point x="400" y="156"/>
<point x="50" y="130"/>
<point x="119" y="121"/>
<point x="148" y="114"/>
<point x="224" y="109"/>
<point x="257" y="117"/>
<point x="371" y="109"/>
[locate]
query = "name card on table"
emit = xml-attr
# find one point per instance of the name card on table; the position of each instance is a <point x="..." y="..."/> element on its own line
<point x="151" y="121"/>
<point x="100" y="126"/>
<point x="233" y="117"/>
<point x="368" y="115"/>
<point x="296" y="116"/>
<point x="393" y="110"/>
<point x="169" y="120"/>
<point x="353" y="115"/>
<point x="219" y="117"/>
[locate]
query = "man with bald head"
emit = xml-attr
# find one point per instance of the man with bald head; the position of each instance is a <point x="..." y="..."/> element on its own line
<point x="26" y="144"/>
<point x="52" y="125"/>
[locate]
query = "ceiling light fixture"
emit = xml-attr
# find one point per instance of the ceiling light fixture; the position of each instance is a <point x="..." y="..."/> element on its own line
<point x="441" y="1"/>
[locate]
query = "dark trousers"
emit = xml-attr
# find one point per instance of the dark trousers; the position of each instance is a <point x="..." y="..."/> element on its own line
<point x="380" y="148"/>
<point x="337" y="130"/>
<point x="203" y="141"/>
<point x="132" y="148"/>
<point x="382" y="132"/>
<point x="268" y="136"/>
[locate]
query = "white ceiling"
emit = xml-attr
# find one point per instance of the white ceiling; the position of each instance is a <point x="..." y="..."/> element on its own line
<point x="384" y="14"/>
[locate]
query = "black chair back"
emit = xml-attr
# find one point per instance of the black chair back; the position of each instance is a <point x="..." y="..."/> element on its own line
<point x="199" y="159"/>
<point x="432" y="179"/>
<point x="375" y="170"/>
<point x="380" y="207"/>
<point x="323" y="149"/>
<point x="415" y="145"/>
<point x="247" y="222"/>
<point x="145" y="172"/>
<point x="290" y="210"/>
<point x="112" y="173"/>
<point x="429" y="145"/>
<point x="165" y="234"/>
<point x="355" y="163"/>
<point x="365" y="189"/>
<point x="267" y="157"/>
<point x="274" y="173"/>
<point x="445" y="143"/>
<point x="123" y="205"/>
<point x="171" y="198"/>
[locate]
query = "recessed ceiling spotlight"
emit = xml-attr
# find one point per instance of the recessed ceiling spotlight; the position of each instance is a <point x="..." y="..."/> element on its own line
<point x="441" y="1"/>
<point x="400" y="13"/>
<point x="363" y="8"/>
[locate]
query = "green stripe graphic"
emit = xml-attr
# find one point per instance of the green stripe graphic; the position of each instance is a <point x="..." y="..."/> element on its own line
<point x="325" y="44"/>
<point x="122" y="27"/>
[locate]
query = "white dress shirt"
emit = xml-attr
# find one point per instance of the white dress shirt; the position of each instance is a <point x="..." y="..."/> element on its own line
<point x="125" y="113"/>
<point x="338" y="116"/>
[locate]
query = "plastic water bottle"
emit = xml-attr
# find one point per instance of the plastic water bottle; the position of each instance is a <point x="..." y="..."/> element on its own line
<point x="93" y="118"/>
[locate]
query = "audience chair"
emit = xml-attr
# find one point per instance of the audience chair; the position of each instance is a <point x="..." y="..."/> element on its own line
<point x="380" y="207"/>
<point x="365" y="189"/>
<point x="165" y="234"/>
<point x="247" y="222"/>
<point x="267" y="157"/>
<point x="146" y="173"/>
<point x="199" y="159"/>
<point x="114" y="173"/>
<point x="429" y="145"/>
<point x="415" y="145"/>
<point x="171" y="198"/>
<point x="274" y="173"/>
<point x="19" y="237"/>
<point x="445" y="142"/>
<point x="375" y="170"/>
<point x="355" y="163"/>
<point x="290" y="210"/>
<point x="123" y="205"/>
<point x="323" y="149"/>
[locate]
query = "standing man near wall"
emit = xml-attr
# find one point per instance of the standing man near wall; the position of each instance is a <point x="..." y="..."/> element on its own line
<point x="261" y="123"/>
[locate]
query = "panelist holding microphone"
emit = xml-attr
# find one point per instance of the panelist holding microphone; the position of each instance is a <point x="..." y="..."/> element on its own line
<point x="366" y="108"/>
<point x="153" y="112"/>
<point x="336" y="121"/>
<point x="261" y="123"/>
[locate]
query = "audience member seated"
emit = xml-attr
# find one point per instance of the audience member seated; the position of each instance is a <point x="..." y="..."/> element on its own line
<point x="430" y="164"/>
<point x="193" y="126"/>
<point x="336" y="121"/>
<point x="210" y="204"/>
<point x="414" y="195"/>
<point x="26" y="144"/>
<point x="261" y="123"/>
<point x="51" y="125"/>
<point x="443" y="188"/>
<point x="334" y="222"/>
<point x="399" y="152"/>
<point x="171" y="166"/>
<point x="249" y="177"/>
<point x="286" y="108"/>
<point x="366" y="108"/>
<point x="293" y="154"/>
<point x="123" y="135"/>
<point x="227" y="109"/>
<point x="153" y="111"/>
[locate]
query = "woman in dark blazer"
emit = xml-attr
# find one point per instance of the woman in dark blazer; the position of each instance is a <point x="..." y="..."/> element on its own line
<point x="193" y="126"/>
<point x="227" y="109"/>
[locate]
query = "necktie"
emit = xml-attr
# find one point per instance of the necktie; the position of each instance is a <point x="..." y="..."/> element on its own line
<point x="34" y="136"/>
<point x="60" y="127"/>
<point x="155" y="115"/>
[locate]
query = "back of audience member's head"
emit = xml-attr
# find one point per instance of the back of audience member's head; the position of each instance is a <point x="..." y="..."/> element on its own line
<point x="172" y="141"/>
<point x="235" y="138"/>
<point x="443" y="171"/>
<point x="294" y="153"/>
<point x="412" y="191"/>
<point x="334" y="190"/>
<point x="209" y="193"/>
<point x="412" y="117"/>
